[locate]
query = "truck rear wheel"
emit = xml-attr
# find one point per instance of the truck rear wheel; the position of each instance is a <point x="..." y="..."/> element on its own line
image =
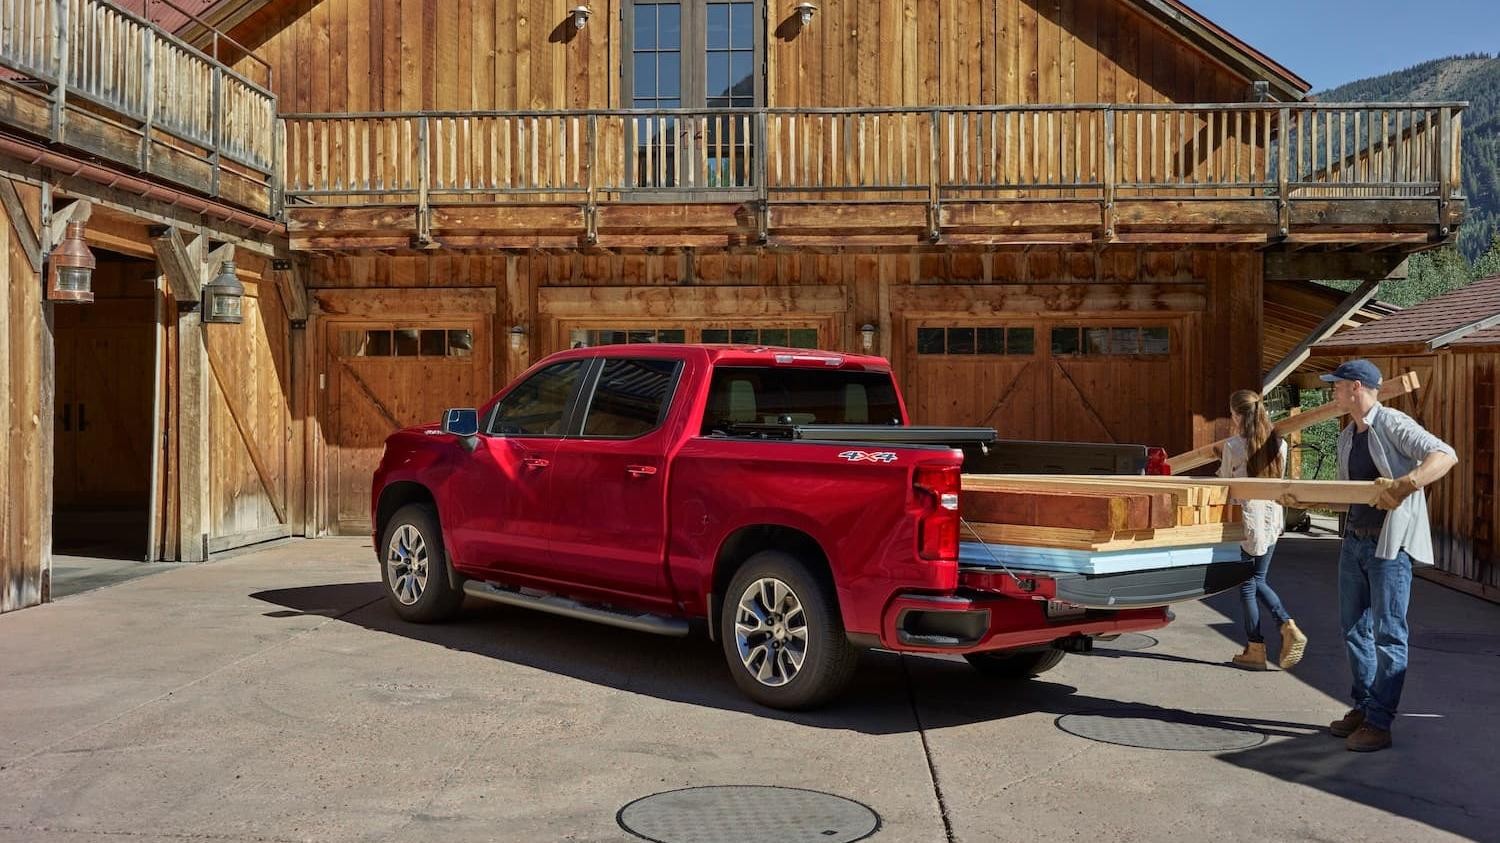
<point x="782" y="634"/>
<point x="1015" y="664"/>
<point x="414" y="566"/>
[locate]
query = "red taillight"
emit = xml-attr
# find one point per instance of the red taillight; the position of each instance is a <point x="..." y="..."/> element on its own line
<point x="937" y="527"/>
<point x="1156" y="461"/>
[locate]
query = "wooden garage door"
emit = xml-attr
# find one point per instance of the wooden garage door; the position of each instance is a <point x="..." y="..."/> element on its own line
<point x="383" y="376"/>
<point x="1073" y="380"/>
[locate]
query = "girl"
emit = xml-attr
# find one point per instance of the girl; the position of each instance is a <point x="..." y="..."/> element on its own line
<point x="1256" y="451"/>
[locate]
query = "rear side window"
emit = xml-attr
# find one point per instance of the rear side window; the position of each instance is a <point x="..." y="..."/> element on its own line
<point x="788" y="395"/>
<point x="631" y="398"/>
<point x="539" y="405"/>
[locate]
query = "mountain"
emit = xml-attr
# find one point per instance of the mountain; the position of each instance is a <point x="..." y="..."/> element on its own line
<point x="1475" y="78"/>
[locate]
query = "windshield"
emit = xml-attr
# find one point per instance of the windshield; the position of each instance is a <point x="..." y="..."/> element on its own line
<point x="796" y="395"/>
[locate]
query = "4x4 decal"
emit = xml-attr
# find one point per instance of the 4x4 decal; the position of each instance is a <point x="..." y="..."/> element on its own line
<point x="868" y="456"/>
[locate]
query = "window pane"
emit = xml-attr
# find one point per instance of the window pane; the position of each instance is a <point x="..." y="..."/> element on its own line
<point x="1020" y="341"/>
<point x="432" y="343"/>
<point x="1124" y="340"/>
<point x="744" y="336"/>
<point x="1065" y="340"/>
<point x="669" y="26"/>
<point x="354" y="343"/>
<point x="718" y="74"/>
<point x="773" y="336"/>
<point x="645" y="27"/>
<point x="742" y="26"/>
<point x="642" y="336"/>
<point x="718" y="26"/>
<point x="991" y="340"/>
<point x="1097" y="341"/>
<point x="742" y="73"/>
<point x="803" y="338"/>
<point x="1156" y="341"/>
<point x="535" y="406"/>
<point x="460" y="343"/>
<point x="406" y="342"/>
<point x="669" y="75"/>
<point x="929" y="340"/>
<point x="671" y="335"/>
<point x="960" y="340"/>
<point x="630" y="398"/>
<point x="715" y="335"/>
<point x="645" y="76"/>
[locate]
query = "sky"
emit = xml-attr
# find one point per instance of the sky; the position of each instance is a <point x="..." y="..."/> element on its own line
<point x="1330" y="42"/>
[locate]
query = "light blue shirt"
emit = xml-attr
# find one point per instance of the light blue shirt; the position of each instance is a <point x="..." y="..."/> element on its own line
<point x="1397" y="446"/>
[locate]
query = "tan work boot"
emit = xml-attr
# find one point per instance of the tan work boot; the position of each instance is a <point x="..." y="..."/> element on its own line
<point x="1293" y="644"/>
<point x="1348" y="724"/>
<point x="1368" y="739"/>
<point x="1254" y="657"/>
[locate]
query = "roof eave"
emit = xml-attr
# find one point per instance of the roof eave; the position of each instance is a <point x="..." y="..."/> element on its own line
<point x="1219" y="43"/>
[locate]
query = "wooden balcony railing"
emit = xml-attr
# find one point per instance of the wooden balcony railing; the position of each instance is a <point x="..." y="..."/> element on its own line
<point x="1245" y="169"/>
<point x="88" y="74"/>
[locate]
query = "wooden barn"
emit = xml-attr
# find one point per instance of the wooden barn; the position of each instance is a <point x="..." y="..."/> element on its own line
<point x="1059" y="218"/>
<point x="1452" y="342"/>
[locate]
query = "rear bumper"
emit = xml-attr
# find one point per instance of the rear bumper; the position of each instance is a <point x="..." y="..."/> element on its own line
<point x="998" y="610"/>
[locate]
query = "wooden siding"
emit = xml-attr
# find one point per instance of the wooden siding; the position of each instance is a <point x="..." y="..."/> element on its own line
<point x="408" y="55"/>
<point x="1457" y="403"/>
<point x="26" y="450"/>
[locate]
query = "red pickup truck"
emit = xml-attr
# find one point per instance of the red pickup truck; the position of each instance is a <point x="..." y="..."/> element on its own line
<point x="776" y="497"/>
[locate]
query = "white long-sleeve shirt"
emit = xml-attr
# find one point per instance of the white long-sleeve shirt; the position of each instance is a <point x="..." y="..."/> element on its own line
<point x="1264" y="520"/>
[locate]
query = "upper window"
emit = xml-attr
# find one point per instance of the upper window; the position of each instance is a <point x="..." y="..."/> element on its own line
<point x="1079" y="341"/>
<point x="631" y="398"/>
<point x="538" y="406"/>
<point x="968" y="341"/>
<point x="406" y="342"/>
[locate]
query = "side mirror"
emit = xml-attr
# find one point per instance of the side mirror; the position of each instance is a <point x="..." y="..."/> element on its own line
<point x="463" y="422"/>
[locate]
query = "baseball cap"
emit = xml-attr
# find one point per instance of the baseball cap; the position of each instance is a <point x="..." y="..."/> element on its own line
<point x="1355" y="370"/>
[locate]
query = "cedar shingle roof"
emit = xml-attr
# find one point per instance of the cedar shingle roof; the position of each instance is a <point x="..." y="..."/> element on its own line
<point x="1429" y="321"/>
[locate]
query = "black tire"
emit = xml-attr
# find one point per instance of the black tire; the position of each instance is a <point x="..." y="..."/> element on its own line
<point x="435" y="599"/>
<point x="1015" y="664"/>
<point x="828" y="659"/>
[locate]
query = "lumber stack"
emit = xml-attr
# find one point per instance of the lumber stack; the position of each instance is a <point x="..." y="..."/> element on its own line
<point x="1097" y="513"/>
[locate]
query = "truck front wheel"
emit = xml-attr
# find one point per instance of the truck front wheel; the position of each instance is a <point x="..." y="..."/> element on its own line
<point x="782" y="634"/>
<point x="414" y="566"/>
<point x="1015" y="664"/>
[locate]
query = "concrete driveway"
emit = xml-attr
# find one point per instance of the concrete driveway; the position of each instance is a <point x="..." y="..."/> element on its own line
<point x="273" y="696"/>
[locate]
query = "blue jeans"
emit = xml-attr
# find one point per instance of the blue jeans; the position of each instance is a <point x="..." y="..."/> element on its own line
<point x="1257" y="587"/>
<point x="1373" y="595"/>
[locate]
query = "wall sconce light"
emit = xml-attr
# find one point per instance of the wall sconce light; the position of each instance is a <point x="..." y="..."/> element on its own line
<point x="805" y="12"/>
<point x="867" y="337"/>
<point x="223" y="297"/>
<point x="517" y="337"/>
<point x="71" y="268"/>
<point x="581" y="17"/>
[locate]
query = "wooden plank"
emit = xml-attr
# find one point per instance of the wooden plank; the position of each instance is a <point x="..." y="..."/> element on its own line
<point x="1364" y="212"/>
<point x="381" y="303"/>
<point x="1289" y="492"/>
<point x="179" y="264"/>
<point x="1207" y="454"/>
<point x="1080" y="510"/>
<point x="1219" y="213"/>
<point x="1016" y="299"/>
<point x="1021" y="216"/>
<point x="229" y="387"/>
<point x="1100" y="541"/>
<point x="26" y="234"/>
<point x="691" y="302"/>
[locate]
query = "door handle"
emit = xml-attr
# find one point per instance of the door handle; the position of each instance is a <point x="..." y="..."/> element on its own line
<point x="536" y="462"/>
<point x="641" y="470"/>
<point x="67" y="418"/>
<point x="82" y="419"/>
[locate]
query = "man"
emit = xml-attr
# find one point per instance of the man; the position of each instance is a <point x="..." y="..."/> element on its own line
<point x="1381" y="543"/>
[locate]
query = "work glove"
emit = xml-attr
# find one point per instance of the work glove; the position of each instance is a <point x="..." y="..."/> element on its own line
<point x="1394" y="491"/>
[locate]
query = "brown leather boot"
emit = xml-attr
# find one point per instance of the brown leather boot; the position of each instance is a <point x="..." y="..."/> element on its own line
<point x="1293" y="644"/>
<point x="1368" y="739"/>
<point x="1254" y="657"/>
<point x="1348" y="724"/>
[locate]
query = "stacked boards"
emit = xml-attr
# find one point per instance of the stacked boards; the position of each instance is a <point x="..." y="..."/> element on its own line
<point x="1104" y="525"/>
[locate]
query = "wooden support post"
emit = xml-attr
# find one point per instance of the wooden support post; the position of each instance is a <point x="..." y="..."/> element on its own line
<point x="26" y="235"/>
<point x="1283" y="170"/>
<point x="293" y="276"/>
<point x="1109" y="174"/>
<point x="148" y="81"/>
<point x="193" y="476"/>
<point x="178" y="263"/>
<point x="1325" y="329"/>
<point x="60" y="50"/>
<point x="934" y="178"/>
<point x="1445" y="165"/>
<point x="216" y="126"/>
<point x="424" y="181"/>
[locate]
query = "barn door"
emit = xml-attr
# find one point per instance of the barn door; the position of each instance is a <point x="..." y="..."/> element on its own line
<point x="386" y="375"/>
<point x="987" y="374"/>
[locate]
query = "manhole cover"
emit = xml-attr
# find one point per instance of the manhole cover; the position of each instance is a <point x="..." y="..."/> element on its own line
<point x="1127" y="641"/>
<point x="1465" y="643"/>
<point x="747" y="814"/>
<point x="1160" y="729"/>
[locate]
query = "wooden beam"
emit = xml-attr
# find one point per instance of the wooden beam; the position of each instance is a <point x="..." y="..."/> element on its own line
<point x="691" y="302"/>
<point x="1325" y="329"/>
<point x="1209" y="453"/>
<point x="1341" y="266"/>
<point x="193" y="436"/>
<point x="1289" y="492"/>
<point x="26" y="234"/>
<point x="64" y="212"/>
<point x="293" y="277"/>
<point x="178" y="264"/>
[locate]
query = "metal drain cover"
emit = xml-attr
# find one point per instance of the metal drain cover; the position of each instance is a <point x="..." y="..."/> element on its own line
<point x="1160" y="729"/>
<point x="1127" y="641"/>
<point x="1463" y="643"/>
<point x="743" y="813"/>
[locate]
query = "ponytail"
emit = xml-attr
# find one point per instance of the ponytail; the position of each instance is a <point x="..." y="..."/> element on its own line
<point x="1262" y="445"/>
